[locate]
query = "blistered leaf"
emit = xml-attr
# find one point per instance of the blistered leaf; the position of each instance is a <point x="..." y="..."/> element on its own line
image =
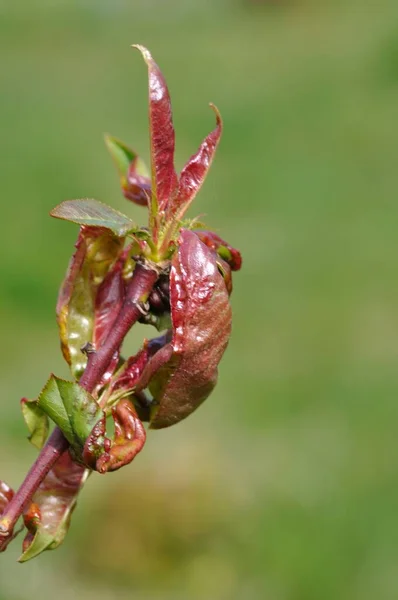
<point x="93" y="213"/>
<point x="96" y="251"/>
<point x="201" y="317"/>
<point x="162" y="137"/>
<point x="48" y="517"/>
<point x="71" y="408"/>
<point x="134" y="176"/>
<point x="36" y="421"/>
<point x="195" y="171"/>
<point x="231" y="255"/>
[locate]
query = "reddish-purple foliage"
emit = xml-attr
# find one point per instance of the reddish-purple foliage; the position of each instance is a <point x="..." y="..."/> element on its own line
<point x="168" y="274"/>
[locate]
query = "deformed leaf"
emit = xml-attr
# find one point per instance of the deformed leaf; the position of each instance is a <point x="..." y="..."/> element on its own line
<point x="48" y="517"/>
<point x="71" y="408"/>
<point x="134" y="175"/>
<point x="96" y="251"/>
<point x="128" y="440"/>
<point x="201" y="318"/>
<point x="194" y="172"/>
<point x="93" y="213"/>
<point x="36" y="421"/>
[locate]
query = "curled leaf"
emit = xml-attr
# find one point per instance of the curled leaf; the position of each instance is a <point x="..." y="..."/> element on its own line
<point x="93" y="213"/>
<point x="36" y="421"/>
<point x="48" y="517"/>
<point x="162" y="137"/>
<point x="134" y="176"/>
<point x="194" y="172"/>
<point x="184" y="372"/>
<point x="96" y="251"/>
<point x="128" y="441"/>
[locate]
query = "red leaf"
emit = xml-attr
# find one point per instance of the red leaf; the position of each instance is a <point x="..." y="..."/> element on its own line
<point x="195" y="171"/>
<point x="201" y="317"/>
<point x="164" y="178"/>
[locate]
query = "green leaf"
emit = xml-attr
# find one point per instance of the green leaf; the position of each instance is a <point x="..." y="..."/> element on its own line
<point x="133" y="173"/>
<point x="122" y="155"/>
<point x="71" y="408"/>
<point x="41" y="541"/>
<point x="48" y="517"/>
<point x="88" y="211"/>
<point x="36" y="421"/>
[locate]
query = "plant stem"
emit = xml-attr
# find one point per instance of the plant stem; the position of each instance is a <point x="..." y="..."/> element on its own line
<point x="144" y="278"/>
<point x="139" y="288"/>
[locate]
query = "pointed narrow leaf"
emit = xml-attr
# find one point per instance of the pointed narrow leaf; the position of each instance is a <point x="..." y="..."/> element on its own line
<point x="96" y="251"/>
<point x="48" y="517"/>
<point x="134" y="176"/>
<point x="36" y="421"/>
<point x="195" y="171"/>
<point x="162" y="137"/>
<point x="93" y="213"/>
<point x="71" y="408"/>
<point x="201" y="317"/>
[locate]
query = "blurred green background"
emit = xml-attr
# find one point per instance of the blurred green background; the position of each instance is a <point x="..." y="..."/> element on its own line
<point x="284" y="485"/>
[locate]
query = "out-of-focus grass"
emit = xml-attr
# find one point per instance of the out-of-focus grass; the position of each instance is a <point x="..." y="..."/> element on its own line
<point x="284" y="485"/>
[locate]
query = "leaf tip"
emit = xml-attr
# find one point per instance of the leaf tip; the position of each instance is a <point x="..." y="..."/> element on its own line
<point x="144" y="51"/>
<point x="217" y="113"/>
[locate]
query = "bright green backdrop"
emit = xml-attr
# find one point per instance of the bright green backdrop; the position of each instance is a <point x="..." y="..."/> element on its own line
<point x="284" y="485"/>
